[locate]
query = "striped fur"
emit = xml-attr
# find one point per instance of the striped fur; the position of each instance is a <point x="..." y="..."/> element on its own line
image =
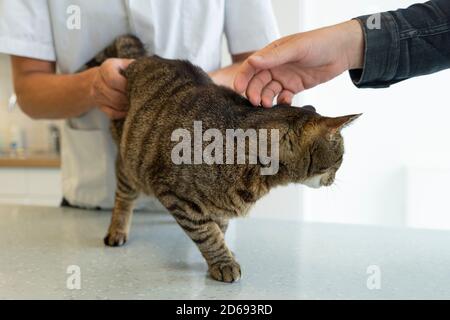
<point x="169" y="94"/>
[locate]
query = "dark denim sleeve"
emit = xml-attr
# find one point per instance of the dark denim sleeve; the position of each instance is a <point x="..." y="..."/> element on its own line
<point x="405" y="43"/>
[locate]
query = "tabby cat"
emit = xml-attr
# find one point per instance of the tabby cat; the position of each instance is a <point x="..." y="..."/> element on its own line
<point x="166" y="95"/>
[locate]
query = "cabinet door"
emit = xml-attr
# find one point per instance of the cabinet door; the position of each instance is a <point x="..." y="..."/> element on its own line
<point x="30" y="186"/>
<point x="45" y="182"/>
<point x="13" y="182"/>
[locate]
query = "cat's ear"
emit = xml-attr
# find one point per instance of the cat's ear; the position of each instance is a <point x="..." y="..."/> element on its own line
<point x="335" y="125"/>
<point x="309" y="108"/>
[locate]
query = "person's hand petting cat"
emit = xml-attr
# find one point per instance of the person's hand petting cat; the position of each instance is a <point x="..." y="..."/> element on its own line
<point x="300" y="61"/>
<point x="379" y="49"/>
<point x="108" y="87"/>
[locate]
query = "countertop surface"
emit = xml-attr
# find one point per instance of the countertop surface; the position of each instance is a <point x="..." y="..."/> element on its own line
<point x="33" y="160"/>
<point x="279" y="259"/>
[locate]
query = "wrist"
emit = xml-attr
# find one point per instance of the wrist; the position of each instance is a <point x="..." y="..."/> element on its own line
<point x="87" y="79"/>
<point x="354" y="44"/>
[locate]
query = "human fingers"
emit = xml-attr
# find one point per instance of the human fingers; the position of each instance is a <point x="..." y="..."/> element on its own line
<point x="254" y="64"/>
<point x="243" y="76"/>
<point x="115" y="99"/>
<point x="269" y="93"/>
<point x="112" y="113"/>
<point x="103" y="94"/>
<point x="110" y="72"/>
<point x="256" y="85"/>
<point x="285" y="97"/>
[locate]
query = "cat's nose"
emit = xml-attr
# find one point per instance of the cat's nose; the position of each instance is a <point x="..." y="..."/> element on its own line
<point x="328" y="180"/>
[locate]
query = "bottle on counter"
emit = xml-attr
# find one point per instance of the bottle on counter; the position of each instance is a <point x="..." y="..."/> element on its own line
<point x="17" y="139"/>
<point x="2" y="144"/>
<point x="54" y="139"/>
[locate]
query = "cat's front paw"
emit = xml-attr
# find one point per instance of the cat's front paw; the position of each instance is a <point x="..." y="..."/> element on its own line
<point x="115" y="239"/>
<point x="229" y="271"/>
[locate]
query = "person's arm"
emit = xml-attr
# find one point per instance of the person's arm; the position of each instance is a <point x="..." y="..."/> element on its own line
<point x="225" y="76"/>
<point x="42" y="94"/>
<point x="410" y="42"/>
<point x="404" y="44"/>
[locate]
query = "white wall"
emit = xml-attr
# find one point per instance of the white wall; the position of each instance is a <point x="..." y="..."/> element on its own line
<point x="404" y="132"/>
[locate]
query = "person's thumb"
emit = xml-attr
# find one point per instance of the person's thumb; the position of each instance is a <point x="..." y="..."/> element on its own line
<point x="124" y="63"/>
<point x="122" y="66"/>
<point x="277" y="53"/>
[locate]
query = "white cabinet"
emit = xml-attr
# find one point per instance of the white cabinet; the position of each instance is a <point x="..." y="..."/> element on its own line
<point x="32" y="186"/>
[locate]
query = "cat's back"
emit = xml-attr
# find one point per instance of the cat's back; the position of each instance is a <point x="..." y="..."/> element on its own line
<point x="161" y="94"/>
<point x="154" y="75"/>
<point x="168" y="94"/>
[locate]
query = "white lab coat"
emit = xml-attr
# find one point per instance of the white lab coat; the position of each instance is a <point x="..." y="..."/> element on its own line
<point x="189" y="29"/>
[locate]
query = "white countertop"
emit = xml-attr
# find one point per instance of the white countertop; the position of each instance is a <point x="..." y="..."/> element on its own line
<point x="279" y="259"/>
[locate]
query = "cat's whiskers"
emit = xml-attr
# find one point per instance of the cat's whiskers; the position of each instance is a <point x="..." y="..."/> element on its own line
<point x="335" y="184"/>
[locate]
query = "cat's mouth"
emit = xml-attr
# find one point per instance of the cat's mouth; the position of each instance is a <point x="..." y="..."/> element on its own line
<point x="314" y="182"/>
<point x="321" y="180"/>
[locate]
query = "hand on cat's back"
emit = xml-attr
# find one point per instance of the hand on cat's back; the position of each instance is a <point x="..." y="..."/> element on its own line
<point x="108" y="88"/>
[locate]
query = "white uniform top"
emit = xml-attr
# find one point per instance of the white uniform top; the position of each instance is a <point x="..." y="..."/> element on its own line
<point x="189" y="29"/>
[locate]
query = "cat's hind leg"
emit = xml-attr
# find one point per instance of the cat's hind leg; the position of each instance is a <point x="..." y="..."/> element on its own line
<point x="126" y="194"/>
<point x="206" y="234"/>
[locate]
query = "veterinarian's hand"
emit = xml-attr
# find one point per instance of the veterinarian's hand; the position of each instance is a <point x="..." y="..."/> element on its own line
<point x="108" y="88"/>
<point x="300" y="61"/>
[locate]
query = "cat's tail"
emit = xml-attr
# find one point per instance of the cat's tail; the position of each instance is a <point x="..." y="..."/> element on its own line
<point x="124" y="47"/>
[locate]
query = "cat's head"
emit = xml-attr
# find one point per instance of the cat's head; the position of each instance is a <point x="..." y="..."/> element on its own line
<point x="312" y="149"/>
